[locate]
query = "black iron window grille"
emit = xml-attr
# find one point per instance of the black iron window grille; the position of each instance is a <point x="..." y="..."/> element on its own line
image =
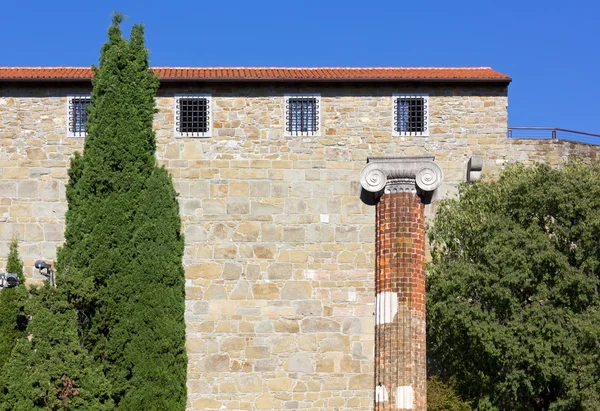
<point x="193" y="116"/>
<point x="78" y="115"/>
<point x="302" y="115"/>
<point x="411" y="115"/>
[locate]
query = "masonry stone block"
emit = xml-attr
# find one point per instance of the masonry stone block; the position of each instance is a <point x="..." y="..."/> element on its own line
<point x="280" y="271"/>
<point x="296" y="290"/>
<point x="319" y="325"/>
<point x="300" y="363"/>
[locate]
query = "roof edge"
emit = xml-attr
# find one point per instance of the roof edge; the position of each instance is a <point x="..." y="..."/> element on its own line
<point x="273" y="74"/>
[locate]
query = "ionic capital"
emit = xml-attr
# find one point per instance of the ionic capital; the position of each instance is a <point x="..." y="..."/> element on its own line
<point x="394" y="174"/>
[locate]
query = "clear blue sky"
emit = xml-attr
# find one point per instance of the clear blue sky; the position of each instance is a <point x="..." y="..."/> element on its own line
<point x="550" y="48"/>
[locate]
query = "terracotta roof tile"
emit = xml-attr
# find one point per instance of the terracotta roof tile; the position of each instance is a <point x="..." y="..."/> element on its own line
<point x="272" y="73"/>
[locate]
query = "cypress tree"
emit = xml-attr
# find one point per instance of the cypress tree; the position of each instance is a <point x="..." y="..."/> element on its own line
<point x="121" y="265"/>
<point x="12" y="306"/>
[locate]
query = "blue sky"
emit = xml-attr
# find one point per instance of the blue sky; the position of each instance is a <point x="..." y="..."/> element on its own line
<point x="550" y="48"/>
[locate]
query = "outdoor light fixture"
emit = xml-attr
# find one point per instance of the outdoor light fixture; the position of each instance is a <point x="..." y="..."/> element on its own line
<point x="49" y="274"/>
<point x="8" y="280"/>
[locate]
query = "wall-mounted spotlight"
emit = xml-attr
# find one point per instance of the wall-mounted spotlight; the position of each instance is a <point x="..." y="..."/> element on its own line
<point x="8" y="280"/>
<point x="49" y="273"/>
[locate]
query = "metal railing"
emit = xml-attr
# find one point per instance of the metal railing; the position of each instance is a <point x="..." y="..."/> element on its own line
<point x="553" y="133"/>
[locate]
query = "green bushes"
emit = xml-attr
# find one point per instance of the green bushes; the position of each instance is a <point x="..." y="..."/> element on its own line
<point x="512" y="292"/>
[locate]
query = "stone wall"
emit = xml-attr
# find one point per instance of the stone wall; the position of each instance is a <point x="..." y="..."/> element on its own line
<point x="279" y="248"/>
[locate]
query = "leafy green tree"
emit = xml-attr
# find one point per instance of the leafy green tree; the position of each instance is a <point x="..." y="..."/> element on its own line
<point x="13" y="320"/>
<point x="121" y="265"/>
<point x="49" y="369"/>
<point x="512" y="292"/>
<point x="442" y="396"/>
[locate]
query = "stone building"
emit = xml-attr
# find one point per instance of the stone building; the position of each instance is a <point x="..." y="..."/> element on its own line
<point x="280" y="249"/>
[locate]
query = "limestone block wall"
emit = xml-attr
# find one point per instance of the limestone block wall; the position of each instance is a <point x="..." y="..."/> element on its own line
<point x="279" y="248"/>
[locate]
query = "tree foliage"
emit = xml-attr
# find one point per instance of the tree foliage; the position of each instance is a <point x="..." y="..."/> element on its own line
<point x="122" y="260"/>
<point x="49" y="369"/>
<point x="13" y="320"/>
<point x="441" y="396"/>
<point x="512" y="291"/>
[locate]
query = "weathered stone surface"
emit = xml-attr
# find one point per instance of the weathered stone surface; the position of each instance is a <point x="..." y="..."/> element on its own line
<point x="232" y="271"/>
<point x="319" y="325"/>
<point x="280" y="271"/>
<point x="296" y="290"/>
<point x="335" y="343"/>
<point x="361" y="382"/>
<point x="204" y="270"/>
<point x="352" y="326"/>
<point x="194" y="233"/>
<point x="233" y="344"/>
<point x="249" y="383"/>
<point x="206" y="404"/>
<point x="309" y="307"/>
<point x="240" y="292"/>
<point x="264" y="402"/>
<point x="214" y="363"/>
<point x="266" y="291"/>
<point x="287" y="326"/>
<point x="215" y="292"/>
<point x="257" y="352"/>
<point x="247" y="231"/>
<point x="299" y="362"/>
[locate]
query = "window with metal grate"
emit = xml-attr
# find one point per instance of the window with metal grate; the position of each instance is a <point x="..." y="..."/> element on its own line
<point x="193" y="115"/>
<point x="302" y="114"/>
<point x="411" y="117"/>
<point x="78" y="115"/>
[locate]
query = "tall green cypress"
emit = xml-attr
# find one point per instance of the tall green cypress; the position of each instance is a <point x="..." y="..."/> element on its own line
<point x="13" y="320"/>
<point x="121" y="265"/>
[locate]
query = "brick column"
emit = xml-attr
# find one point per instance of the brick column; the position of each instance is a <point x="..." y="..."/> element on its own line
<point x="398" y="188"/>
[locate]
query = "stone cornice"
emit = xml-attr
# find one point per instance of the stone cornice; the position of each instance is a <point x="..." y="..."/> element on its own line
<point x="394" y="174"/>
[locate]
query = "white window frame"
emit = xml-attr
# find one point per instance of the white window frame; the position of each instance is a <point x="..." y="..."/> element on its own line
<point x="208" y="132"/>
<point x="70" y="98"/>
<point x="395" y="98"/>
<point x="317" y="97"/>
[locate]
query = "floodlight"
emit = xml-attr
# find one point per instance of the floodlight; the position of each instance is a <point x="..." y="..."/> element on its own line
<point x="42" y="265"/>
<point x="8" y="280"/>
<point x="49" y="274"/>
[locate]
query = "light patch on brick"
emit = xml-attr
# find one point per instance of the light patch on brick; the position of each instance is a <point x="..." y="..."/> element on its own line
<point x="381" y="394"/>
<point x="386" y="307"/>
<point x="405" y="397"/>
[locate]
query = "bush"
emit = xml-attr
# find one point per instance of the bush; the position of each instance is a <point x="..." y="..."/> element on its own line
<point x="512" y="291"/>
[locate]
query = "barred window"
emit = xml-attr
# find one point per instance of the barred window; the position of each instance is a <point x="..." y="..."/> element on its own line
<point x="302" y="114"/>
<point x="192" y="115"/>
<point x="411" y="117"/>
<point x="78" y="115"/>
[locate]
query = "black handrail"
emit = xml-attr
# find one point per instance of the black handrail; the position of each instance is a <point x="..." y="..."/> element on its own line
<point x="554" y="133"/>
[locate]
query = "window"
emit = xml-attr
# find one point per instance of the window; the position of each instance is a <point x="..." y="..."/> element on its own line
<point x="411" y="116"/>
<point x="302" y="114"/>
<point x="193" y="115"/>
<point x="78" y="115"/>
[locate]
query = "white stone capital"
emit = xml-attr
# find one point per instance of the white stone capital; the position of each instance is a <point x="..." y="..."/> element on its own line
<point x="393" y="174"/>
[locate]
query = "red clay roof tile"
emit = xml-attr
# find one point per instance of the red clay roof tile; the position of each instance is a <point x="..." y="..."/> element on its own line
<point x="273" y="73"/>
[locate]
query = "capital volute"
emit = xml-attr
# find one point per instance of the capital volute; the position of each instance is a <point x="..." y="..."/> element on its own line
<point x="395" y="174"/>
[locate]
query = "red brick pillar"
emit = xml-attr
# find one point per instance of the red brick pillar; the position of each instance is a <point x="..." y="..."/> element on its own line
<point x="400" y="351"/>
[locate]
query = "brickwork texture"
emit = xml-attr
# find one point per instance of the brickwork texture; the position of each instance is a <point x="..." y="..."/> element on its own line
<point x="400" y="369"/>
